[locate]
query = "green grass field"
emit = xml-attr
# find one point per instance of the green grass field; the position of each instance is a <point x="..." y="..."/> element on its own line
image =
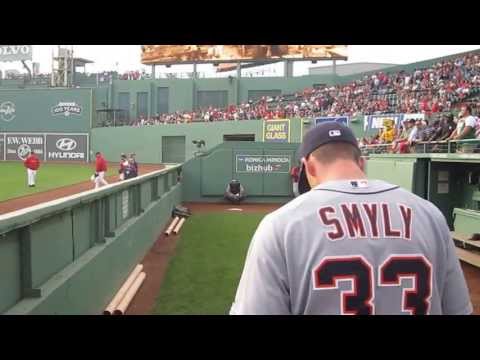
<point x="203" y="275"/>
<point x="13" y="179"/>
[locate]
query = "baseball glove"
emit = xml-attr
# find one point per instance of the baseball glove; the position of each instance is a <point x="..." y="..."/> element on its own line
<point x="475" y="237"/>
<point x="181" y="211"/>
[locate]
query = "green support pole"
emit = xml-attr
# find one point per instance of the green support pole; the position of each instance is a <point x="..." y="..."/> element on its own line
<point x="194" y="90"/>
<point x="239" y="76"/>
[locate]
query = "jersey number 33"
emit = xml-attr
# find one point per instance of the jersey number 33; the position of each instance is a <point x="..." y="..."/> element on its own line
<point x="360" y="299"/>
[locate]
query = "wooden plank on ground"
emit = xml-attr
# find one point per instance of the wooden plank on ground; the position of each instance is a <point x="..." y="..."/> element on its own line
<point x="468" y="256"/>
<point x="464" y="239"/>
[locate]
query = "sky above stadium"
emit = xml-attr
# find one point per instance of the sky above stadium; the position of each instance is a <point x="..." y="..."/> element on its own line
<point x="124" y="58"/>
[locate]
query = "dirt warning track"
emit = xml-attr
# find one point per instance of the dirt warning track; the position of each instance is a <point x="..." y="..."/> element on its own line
<point x="35" y="199"/>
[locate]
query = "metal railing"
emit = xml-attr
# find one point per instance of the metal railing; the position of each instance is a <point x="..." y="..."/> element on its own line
<point x="376" y="149"/>
<point x="467" y="146"/>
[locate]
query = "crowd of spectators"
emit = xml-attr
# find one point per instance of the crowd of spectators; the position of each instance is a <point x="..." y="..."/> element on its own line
<point x="412" y="132"/>
<point x="432" y="90"/>
<point x="134" y="75"/>
<point x="248" y="111"/>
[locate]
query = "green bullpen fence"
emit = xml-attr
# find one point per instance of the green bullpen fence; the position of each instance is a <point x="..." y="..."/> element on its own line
<point x="450" y="181"/>
<point x="262" y="168"/>
<point x="70" y="255"/>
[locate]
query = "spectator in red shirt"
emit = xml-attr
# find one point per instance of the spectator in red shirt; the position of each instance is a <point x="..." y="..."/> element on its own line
<point x="32" y="163"/>
<point x="295" y="174"/>
<point x="100" y="169"/>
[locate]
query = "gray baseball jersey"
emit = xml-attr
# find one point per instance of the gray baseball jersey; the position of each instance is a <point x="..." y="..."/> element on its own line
<point x="353" y="247"/>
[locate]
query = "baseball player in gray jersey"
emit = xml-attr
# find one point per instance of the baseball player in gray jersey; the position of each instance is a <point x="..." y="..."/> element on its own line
<point x="349" y="245"/>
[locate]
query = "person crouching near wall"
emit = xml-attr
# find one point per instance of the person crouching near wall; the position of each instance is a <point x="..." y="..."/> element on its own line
<point x="235" y="192"/>
<point x="32" y="163"/>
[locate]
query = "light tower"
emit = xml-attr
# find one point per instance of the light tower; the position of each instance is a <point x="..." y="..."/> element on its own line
<point x="62" y="68"/>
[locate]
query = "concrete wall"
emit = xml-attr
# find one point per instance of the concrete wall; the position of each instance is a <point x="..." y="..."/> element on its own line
<point x="180" y="93"/>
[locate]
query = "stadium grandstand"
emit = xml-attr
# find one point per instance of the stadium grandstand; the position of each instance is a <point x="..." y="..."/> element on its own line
<point x="435" y="89"/>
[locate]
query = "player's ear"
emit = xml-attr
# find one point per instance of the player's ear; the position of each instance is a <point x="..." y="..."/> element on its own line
<point x="310" y="167"/>
<point x="362" y="163"/>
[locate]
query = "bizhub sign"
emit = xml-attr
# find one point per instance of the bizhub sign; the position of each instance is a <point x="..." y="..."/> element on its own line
<point x="279" y="164"/>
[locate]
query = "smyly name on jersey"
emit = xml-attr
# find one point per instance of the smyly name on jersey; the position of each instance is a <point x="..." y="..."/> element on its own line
<point x="366" y="220"/>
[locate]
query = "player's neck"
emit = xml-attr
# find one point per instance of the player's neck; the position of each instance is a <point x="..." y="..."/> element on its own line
<point x="340" y="170"/>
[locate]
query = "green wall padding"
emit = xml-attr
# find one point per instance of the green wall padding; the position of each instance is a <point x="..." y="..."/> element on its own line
<point x="33" y="110"/>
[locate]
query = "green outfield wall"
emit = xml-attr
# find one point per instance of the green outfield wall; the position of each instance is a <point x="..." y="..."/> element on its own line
<point x="148" y="142"/>
<point x="47" y="110"/>
<point x="71" y="255"/>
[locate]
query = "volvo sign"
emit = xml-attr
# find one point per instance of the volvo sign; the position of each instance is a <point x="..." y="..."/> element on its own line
<point x="15" y="52"/>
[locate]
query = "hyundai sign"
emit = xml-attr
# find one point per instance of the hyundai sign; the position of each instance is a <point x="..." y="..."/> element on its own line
<point x="66" y="147"/>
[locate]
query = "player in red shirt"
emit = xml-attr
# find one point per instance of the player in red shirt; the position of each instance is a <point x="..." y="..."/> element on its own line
<point x="32" y="163"/>
<point x="100" y="169"/>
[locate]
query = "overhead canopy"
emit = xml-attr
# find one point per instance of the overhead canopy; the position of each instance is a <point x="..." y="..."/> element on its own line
<point x="82" y="62"/>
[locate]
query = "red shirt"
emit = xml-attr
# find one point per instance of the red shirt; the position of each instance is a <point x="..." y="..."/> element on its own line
<point x="32" y="162"/>
<point x="123" y="165"/>
<point x="100" y="164"/>
<point x="295" y="172"/>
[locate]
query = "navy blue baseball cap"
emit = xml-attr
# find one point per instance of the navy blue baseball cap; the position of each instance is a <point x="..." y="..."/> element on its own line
<point x="324" y="133"/>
